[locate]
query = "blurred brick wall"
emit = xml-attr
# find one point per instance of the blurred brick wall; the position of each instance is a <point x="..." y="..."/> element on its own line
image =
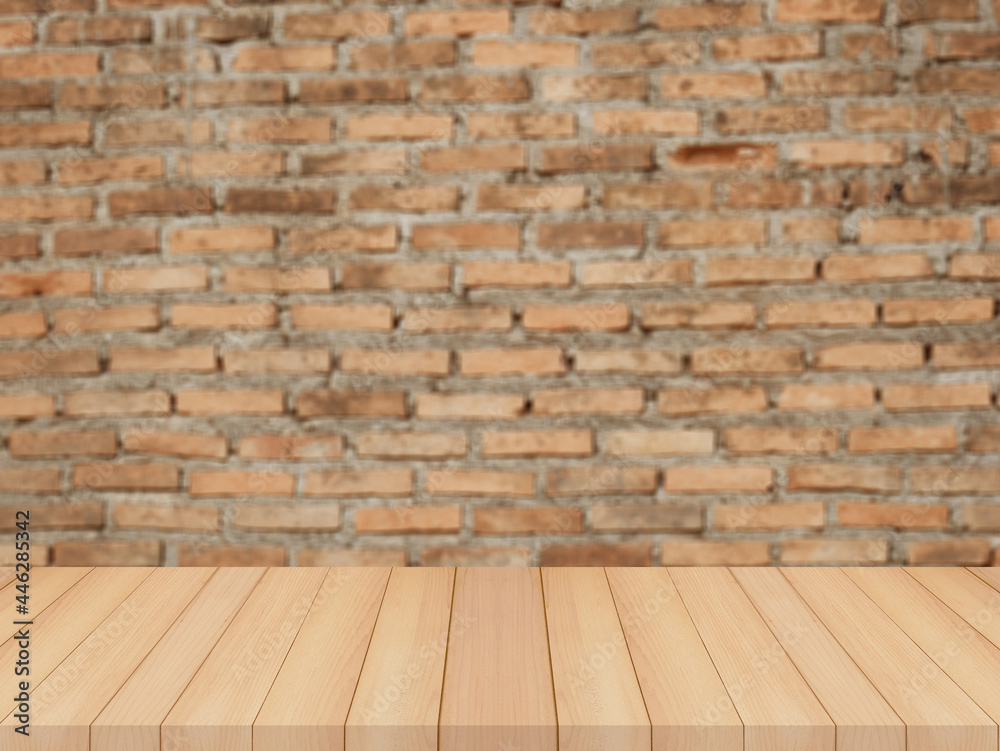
<point x="503" y="283"/>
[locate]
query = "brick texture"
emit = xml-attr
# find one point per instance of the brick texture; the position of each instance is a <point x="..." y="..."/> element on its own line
<point x="501" y="282"/>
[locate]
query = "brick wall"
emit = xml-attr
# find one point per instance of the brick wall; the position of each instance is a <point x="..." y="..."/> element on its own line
<point x="500" y="282"/>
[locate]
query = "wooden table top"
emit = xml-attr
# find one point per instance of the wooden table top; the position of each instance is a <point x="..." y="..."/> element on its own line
<point x="512" y="659"/>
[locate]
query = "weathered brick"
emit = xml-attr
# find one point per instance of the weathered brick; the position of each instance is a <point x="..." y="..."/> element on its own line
<point x="351" y="404"/>
<point x="736" y="517"/>
<point x="948" y="552"/>
<point x="459" y="406"/>
<point x="870" y="356"/>
<point x="587" y="401"/>
<point x="834" y="551"/>
<point x="496" y="362"/>
<point x="234" y="402"/>
<point x="895" y="515"/>
<point x="780" y="440"/>
<point x="798" y="397"/>
<point x="600" y="480"/>
<point x="899" y="397"/>
<point x="841" y="477"/>
<point x="126" y="477"/>
<point x="287" y="517"/>
<point x="107" y="553"/>
<point x="715" y="553"/>
<point x="535" y="443"/>
<point x="691" y="479"/>
<point x="480" y="482"/>
<point x="358" y="483"/>
<point x="550" y="520"/>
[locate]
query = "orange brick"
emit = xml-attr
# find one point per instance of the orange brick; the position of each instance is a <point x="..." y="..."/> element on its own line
<point x="49" y="65"/>
<point x="291" y="447"/>
<point x="42" y="363"/>
<point x="686" y="233"/>
<point x="359" y="483"/>
<point x="955" y="480"/>
<point x="313" y="57"/>
<point x="767" y="47"/>
<point x="185" y="445"/>
<point x="478" y="274"/>
<point x="646" y="195"/>
<point x="26" y="406"/>
<point x="498" y="362"/>
<point x="26" y="444"/>
<point x="351" y="404"/>
<point x="23" y="325"/>
<point x="16" y="135"/>
<point x="228" y="483"/>
<point x="746" y="361"/>
<point x="832" y="153"/>
<point x="279" y="130"/>
<point x="629" y="274"/>
<point x="968" y="355"/>
<point x="549" y="520"/>
<point x="160" y="201"/>
<point x="377" y="198"/>
<point x="659" y="442"/>
<point x="727" y="85"/>
<point x="720" y="400"/>
<point x="708" y="17"/>
<point x="411" y="445"/>
<point x="826" y="83"/>
<point x="403" y="55"/>
<point x="715" y="553"/>
<point x="813" y="398"/>
<point x="342" y="89"/>
<point x="286" y="517"/>
<point x="948" y="552"/>
<point x="278" y="280"/>
<point x="431" y="362"/>
<point x="590" y="88"/>
<point x="456" y="22"/>
<point x="341" y="25"/>
<point x="982" y="517"/>
<point x="36" y="480"/>
<point x="780" y="440"/>
<point x="221" y="239"/>
<point x="242" y="317"/>
<point x="833" y="551"/>
<point x="834" y="313"/>
<point x="870" y="356"/>
<point x="581" y="318"/>
<point x="398" y="520"/>
<point x="480" y="482"/>
<point x="45" y="208"/>
<point x="463" y="318"/>
<point x="717" y="479"/>
<point x="915" y="230"/>
<point x="535" y="443"/>
<point x="744" y="157"/>
<point x="902" y="439"/>
<point x="853" y="268"/>
<point x="525" y="54"/>
<point x="697" y="315"/>
<point x="107" y="553"/>
<point x="235" y="402"/>
<point x="276" y="361"/>
<point x="811" y="229"/>
<point x="895" y="515"/>
<point x="127" y="477"/>
<point x="984" y="439"/>
<point x="161" y="360"/>
<point x="588" y="402"/>
<point x="480" y="89"/>
<point x="769" y="516"/>
<point x="597" y="158"/>
<point x="465" y="236"/>
<point x="642" y="362"/>
<point x="523" y="125"/>
<point x="504" y="157"/>
<point x="166" y="518"/>
<point x="411" y="276"/>
<point x="646" y="53"/>
<point x="71" y="242"/>
<point x="324" y="557"/>
<point x="399" y="127"/>
<point x="900" y="397"/>
<point x="458" y="406"/>
<point x="166" y="279"/>
<point x="342" y="317"/>
<point x="99" y="403"/>
<point x="773" y="118"/>
<point x="646" y="517"/>
<point x="198" y="554"/>
<point x="600" y="480"/>
<point x="840" y="477"/>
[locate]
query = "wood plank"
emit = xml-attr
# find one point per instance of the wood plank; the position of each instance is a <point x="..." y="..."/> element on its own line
<point x="65" y="703"/>
<point x="498" y="682"/>
<point x="398" y="697"/>
<point x="326" y="657"/>
<point x="989" y="575"/>
<point x="689" y="709"/>
<point x="47" y="585"/>
<point x="864" y="720"/>
<point x="598" y="701"/>
<point x="778" y="710"/>
<point x="132" y="718"/>
<point x="217" y="709"/>
<point x="968" y="657"/>
<point x="937" y="713"/>
<point x="966" y="594"/>
<point x="6" y="575"/>
<point x="64" y="624"/>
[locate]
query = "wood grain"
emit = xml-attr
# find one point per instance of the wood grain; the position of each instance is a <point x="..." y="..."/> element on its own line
<point x="967" y="595"/>
<point x="398" y="695"/>
<point x="498" y="681"/>
<point x="938" y="714"/>
<point x="327" y="657"/>
<point x="688" y="706"/>
<point x="777" y="708"/>
<point x="598" y="700"/>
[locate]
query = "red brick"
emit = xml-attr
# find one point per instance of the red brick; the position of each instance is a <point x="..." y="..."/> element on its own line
<point x="895" y="515"/>
<point x="658" y="442"/>
<point x="982" y="517"/>
<point x="291" y="447"/>
<point x="122" y="318"/>
<point x="717" y="479"/>
<point x="824" y="154"/>
<point x="31" y="363"/>
<point x="24" y="172"/>
<point x="411" y="445"/>
<point x="286" y="517"/>
<point x="639" y="361"/>
<point x="167" y="201"/>
<point x="279" y="130"/>
<point x="361" y="24"/>
<point x="708" y="17"/>
<point x="456" y="22"/>
<point x="349" y="90"/>
<point x="36" y="480"/>
<point x="231" y="28"/>
<point x="26" y="406"/>
<point x="479" y="556"/>
<point x="835" y="313"/>
<point x="948" y="552"/>
<point x="697" y="233"/>
<point x="854" y="268"/>
<point x="72" y="242"/>
<point x="410" y="276"/>
<point x="478" y="274"/>
<point x="99" y="403"/>
<point x="399" y="127"/>
<point x="937" y="311"/>
<point x="773" y="118"/>
<point x="746" y="361"/>
<point x="589" y="88"/>
<point x="276" y="361"/>
<point x="581" y="318"/>
<point x="278" y="280"/>
<point x="23" y="325"/>
<point x="198" y="554"/>
<point x="463" y="318"/>
<point x="323" y="557"/>
<point x="728" y="85"/>
<point x="530" y="198"/>
<point x="166" y="279"/>
<point x="598" y="554"/>
<point x="631" y="274"/>
<point x="599" y="157"/>
<point x="520" y="125"/>
<point x="828" y="11"/>
<point x="27" y="96"/>
<point x="677" y="194"/>
<point x="645" y="53"/>
<point x="646" y="517"/>
<point x="767" y="47"/>
<point x="550" y="520"/>
<point x="162" y="360"/>
<point x="697" y="315"/>
<point x="403" y="55"/>
<point x="376" y="239"/>
<point x="25" y="444"/>
<point x="507" y="157"/>
<point x="431" y="362"/>
<point x="780" y="440"/>
<point x="898" y="397"/>
<point x="525" y="54"/>
<point x="166" y="518"/>
<point x="343" y="317"/>
<point x="378" y="198"/>
<point x="228" y="483"/>
<point x="49" y="65"/>
<point x="45" y="208"/>
<point x="465" y="236"/>
<point x="314" y="57"/>
<point x="902" y="439"/>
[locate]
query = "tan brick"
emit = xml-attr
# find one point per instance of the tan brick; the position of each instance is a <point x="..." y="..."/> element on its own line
<point x="823" y="313"/>
<point x="746" y="361"/>
<point x="398" y="520"/>
<point x="767" y="47"/>
<point x="715" y="553"/>
<point x="768" y="516"/>
<point x="276" y="361"/>
<point x="600" y="480"/>
<point x="833" y="551"/>
<point x="26" y="444"/>
<point x="279" y="130"/>
<point x="234" y="402"/>
<point x="49" y="65"/>
<point x="782" y="118"/>
<point x="411" y="445"/>
<point x="646" y="195"/>
<point x="480" y="482"/>
<point x="697" y="315"/>
<point x="343" y="317"/>
<point x="580" y="318"/>
<point x="403" y="55"/>
<point x="166" y="518"/>
<point x="23" y="325"/>
<point x="936" y="438"/>
<point x="645" y="53"/>
<point x="548" y="520"/>
<point x="870" y="356"/>
<point x="45" y="208"/>
<point x="398" y="127"/>
<point x="652" y="517"/>
<point x="198" y="554"/>
<point x="895" y="515"/>
<point x="378" y="198"/>
<point x="598" y="554"/>
<point x="780" y="440"/>
<point x="967" y="355"/>
<point x="588" y="401"/>
<point x="367" y="557"/>
<point x="828" y="83"/>
<point x="286" y="517"/>
<point x="840" y="477"/>
<point x="163" y="443"/>
<point x="340" y="89"/>
<point x="948" y="552"/>
<point x="242" y="317"/>
<point x="499" y="362"/>
<point x="535" y="443"/>
<point x="26" y="406"/>
<point x="884" y="230"/>
<point x="727" y="85"/>
<point x="99" y="403"/>
<point x="340" y="25"/>
<point x="71" y="242"/>
<point x="278" y="280"/>
<point x="629" y="274"/>
<point x="222" y="239"/>
<point x="955" y="480"/>
<point x="500" y="54"/>
<point x="40" y="363"/>
<point x="590" y="88"/>
<point x="693" y="479"/>
<point x="291" y="447"/>
<point x="162" y="360"/>
<point x="351" y="404"/>
<point x="477" y="274"/>
<point x="718" y="400"/>
<point x="824" y="397"/>
<point x="984" y="439"/>
<point x="457" y="22"/>
<point x="981" y="517"/>
<point x="19" y="135"/>
<point x="160" y="201"/>
<point x="435" y="362"/>
<point x="598" y="158"/>
<point x="107" y="553"/>
<point x="900" y="397"/>
<point x="313" y="57"/>
<point x="230" y="483"/>
<point x="127" y="477"/>
<point x="165" y="279"/>
<point x="659" y="442"/>
<point x="465" y="236"/>
<point x="359" y="483"/>
<point x="410" y="276"/>
<point x="462" y="318"/>
<point x="504" y="157"/>
<point x="641" y="362"/>
<point x="488" y="88"/>
<point x="857" y="268"/>
<point x="36" y="480"/>
<point x="458" y="406"/>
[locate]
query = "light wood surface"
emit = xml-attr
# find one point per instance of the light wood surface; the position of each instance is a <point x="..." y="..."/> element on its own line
<point x="514" y="659"/>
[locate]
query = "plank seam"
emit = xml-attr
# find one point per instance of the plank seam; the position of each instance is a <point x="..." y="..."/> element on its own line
<point x="447" y="644"/>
